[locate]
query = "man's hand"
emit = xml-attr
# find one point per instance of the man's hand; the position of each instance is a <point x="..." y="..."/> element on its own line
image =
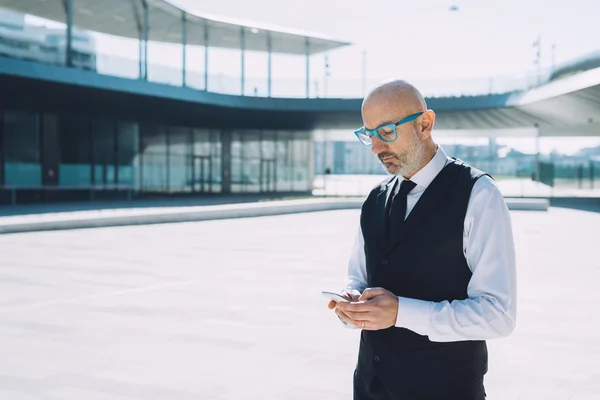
<point x="352" y="295"/>
<point x="375" y="309"/>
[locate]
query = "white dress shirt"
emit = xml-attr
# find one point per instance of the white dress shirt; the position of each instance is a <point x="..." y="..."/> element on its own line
<point x="491" y="307"/>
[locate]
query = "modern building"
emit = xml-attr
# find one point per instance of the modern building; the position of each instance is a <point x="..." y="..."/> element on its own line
<point x="69" y="130"/>
<point x="68" y="133"/>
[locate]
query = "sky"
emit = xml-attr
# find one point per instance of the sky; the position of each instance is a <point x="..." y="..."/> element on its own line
<point x="424" y="38"/>
<point x="484" y="43"/>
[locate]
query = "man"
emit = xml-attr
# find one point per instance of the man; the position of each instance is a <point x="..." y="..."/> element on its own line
<point x="432" y="273"/>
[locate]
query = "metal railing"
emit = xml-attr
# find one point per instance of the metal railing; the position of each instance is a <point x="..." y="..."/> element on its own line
<point x="320" y="86"/>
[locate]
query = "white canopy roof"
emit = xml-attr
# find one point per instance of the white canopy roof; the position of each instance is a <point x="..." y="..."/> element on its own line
<point x="126" y="18"/>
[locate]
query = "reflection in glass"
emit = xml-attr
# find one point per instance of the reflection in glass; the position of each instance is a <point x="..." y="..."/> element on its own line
<point x="154" y="158"/>
<point x="180" y="171"/>
<point x="103" y="152"/>
<point x="75" y="166"/>
<point x="22" y="149"/>
<point x="127" y="154"/>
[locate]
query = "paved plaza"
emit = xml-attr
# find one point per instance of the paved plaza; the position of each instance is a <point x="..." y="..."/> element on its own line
<point x="231" y="310"/>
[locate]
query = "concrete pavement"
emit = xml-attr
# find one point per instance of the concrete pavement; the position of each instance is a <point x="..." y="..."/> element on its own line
<point x="231" y="309"/>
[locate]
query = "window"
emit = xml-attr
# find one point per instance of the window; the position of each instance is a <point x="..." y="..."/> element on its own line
<point x="180" y="177"/>
<point x="103" y="152"/>
<point x="22" y="149"/>
<point x="154" y="158"/>
<point x="128" y="154"/>
<point x="75" y="141"/>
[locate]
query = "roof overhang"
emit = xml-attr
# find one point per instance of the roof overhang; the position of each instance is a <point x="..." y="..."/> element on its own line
<point x="569" y="107"/>
<point x="125" y="18"/>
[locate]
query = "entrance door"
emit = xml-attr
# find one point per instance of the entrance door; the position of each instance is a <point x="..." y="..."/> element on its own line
<point x="201" y="174"/>
<point x="267" y="175"/>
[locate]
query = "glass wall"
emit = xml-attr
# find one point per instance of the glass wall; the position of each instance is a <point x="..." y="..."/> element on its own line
<point x="97" y="154"/>
<point x="245" y="162"/>
<point x="206" y="161"/>
<point x="268" y="165"/>
<point x="180" y="171"/>
<point x="271" y="161"/>
<point x="75" y="149"/>
<point x="302" y="163"/>
<point x="128" y="159"/>
<point x="155" y="163"/>
<point x="103" y="151"/>
<point x="283" y="161"/>
<point x="21" y="148"/>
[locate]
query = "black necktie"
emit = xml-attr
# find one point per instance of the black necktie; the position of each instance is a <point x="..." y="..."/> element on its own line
<point x="398" y="212"/>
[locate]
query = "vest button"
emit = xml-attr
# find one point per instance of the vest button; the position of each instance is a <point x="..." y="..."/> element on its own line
<point x="384" y="261"/>
<point x="376" y="358"/>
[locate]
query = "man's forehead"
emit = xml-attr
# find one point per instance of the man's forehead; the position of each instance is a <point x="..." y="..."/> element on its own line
<point x="376" y="116"/>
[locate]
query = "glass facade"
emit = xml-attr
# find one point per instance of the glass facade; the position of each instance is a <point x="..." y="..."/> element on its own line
<point x="21" y="149"/>
<point x="90" y="155"/>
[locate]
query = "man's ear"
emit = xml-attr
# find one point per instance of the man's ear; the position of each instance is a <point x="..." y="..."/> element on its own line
<point x="426" y="123"/>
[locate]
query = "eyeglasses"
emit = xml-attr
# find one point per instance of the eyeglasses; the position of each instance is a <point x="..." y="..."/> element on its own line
<point x="386" y="133"/>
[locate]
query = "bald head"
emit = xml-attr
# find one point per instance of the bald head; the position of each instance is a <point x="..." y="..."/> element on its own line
<point x="413" y="146"/>
<point x="398" y="97"/>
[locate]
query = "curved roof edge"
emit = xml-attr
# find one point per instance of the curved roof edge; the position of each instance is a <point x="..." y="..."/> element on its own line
<point x="584" y="63"/>
<point x="260" y="25"/>
<point x="570" y="110"/>
<point x="165" y="20"/>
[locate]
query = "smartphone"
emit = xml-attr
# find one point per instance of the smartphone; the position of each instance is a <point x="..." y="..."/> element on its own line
<point x="336" y="297"/>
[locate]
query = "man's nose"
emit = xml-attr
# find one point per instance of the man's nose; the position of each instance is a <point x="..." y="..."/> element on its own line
<point x="378" y="146"/>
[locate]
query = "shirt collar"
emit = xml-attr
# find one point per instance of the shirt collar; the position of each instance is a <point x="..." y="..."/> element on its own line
<point x="427" y="174"/>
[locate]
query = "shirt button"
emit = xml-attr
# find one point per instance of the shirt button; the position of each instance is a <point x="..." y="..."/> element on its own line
<point x="384" y="261"/>
<point x="376" y="358"/>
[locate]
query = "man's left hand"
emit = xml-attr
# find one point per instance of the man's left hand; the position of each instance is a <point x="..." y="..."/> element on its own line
<point x="376" y="309"/>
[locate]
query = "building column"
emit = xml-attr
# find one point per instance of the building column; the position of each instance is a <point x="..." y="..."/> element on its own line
<point x="69" y="10"/>
<point x="243" y="43"/>
<point x="141" y="56"/>
<point x="269" y="62"/>
<point x="206" y="38"/>
<point x="184" y="45"/>
<point x="146" y="29"/>
<point x="307" y="67"/>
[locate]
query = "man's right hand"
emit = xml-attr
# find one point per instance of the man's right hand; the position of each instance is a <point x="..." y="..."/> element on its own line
<point x="352" y="295"/>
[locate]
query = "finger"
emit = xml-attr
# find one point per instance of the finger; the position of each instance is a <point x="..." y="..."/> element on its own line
<point x="341" y="315"/>
<point x="331" y="304"/>
<point x="361" y="316"/>
<point x="360" y="306"/>
<point x="352" y="294"/>
<point x="359" y="323"/>
<point x="370" y="293"/>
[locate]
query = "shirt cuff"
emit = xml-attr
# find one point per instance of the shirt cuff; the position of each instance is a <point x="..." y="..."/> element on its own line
<point x="414" y="314"/>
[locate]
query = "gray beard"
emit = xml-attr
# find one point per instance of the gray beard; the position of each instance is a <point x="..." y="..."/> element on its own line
<point x="410" y="160"/>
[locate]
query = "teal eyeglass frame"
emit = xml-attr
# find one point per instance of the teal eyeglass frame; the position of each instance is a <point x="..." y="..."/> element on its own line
<point x="373" y="132"/>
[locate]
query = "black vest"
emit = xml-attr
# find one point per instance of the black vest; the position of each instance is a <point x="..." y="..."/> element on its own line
<point x="426" y="262"/>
